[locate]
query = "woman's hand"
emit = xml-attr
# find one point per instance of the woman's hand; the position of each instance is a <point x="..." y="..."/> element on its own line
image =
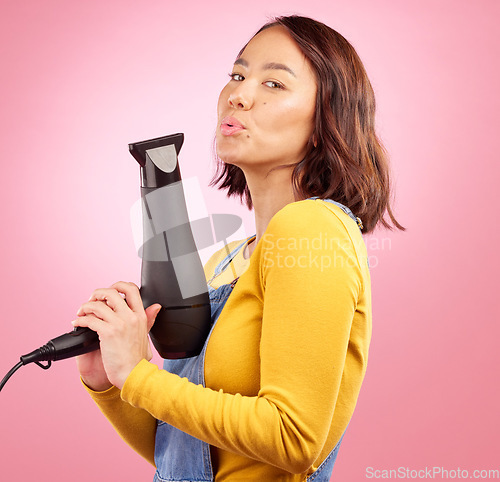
<point x="123" y="326"/>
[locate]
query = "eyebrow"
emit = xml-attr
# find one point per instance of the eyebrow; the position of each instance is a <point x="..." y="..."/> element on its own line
<point x="268" y="66"/>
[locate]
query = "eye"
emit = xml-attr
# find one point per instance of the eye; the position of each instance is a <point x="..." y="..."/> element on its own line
<point x="274" y="85"/>
<point x="237" y="77"/>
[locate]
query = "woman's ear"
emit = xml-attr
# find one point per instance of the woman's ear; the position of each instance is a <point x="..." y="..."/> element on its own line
<point x="315" y="140"/>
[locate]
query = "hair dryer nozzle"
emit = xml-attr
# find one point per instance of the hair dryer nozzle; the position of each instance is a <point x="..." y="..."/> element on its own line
<point x="158" y="159"/>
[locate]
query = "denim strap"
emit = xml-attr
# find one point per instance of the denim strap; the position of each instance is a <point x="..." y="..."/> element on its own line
<point x="345" y="209"/>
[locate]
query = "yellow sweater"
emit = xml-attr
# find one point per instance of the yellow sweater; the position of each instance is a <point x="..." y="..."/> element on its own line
<point x="285" y="362"/>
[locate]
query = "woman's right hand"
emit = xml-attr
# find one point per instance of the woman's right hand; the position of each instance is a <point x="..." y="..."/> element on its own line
<point x="91" y="366"/>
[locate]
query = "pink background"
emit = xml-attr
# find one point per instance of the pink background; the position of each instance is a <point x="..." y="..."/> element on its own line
<point x="80" y="80"/>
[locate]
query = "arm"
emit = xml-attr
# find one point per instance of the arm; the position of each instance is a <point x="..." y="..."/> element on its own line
<point x="308" y="311"/>
<point x="135" y="426"/>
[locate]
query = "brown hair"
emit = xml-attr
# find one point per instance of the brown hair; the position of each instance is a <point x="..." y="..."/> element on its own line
<point x="349" y="164"/>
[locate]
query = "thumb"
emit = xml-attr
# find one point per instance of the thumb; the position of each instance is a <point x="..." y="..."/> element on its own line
<point x="151" y="313"/>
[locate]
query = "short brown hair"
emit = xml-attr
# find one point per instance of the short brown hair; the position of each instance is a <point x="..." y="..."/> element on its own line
<point x="348" y="164"/>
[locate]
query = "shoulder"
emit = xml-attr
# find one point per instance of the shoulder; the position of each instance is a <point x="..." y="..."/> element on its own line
<point x="312" y="227"/>
<point x="310" y="244"/>
<point x="311" y="216"/>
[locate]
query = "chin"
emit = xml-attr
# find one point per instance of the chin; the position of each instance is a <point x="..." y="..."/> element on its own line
<point x="228" y="156"/>
<point x="230" y="161"/>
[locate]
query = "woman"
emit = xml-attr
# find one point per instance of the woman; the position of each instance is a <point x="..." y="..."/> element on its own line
<point x="272" y="393"/>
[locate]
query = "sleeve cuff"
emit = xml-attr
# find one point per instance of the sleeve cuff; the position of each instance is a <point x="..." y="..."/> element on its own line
<point x="131" y="392"/>
<point x="108" y="394"/>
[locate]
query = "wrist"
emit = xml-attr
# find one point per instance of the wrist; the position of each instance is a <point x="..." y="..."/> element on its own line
<point x="136" y="384"/>
<point x="96" y="386"/>
<point x="119" y="378"/>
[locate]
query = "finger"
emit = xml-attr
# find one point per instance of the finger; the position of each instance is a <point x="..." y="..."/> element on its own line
<point x="90" y="321"/>
<point x="132" y="295"/>
<point x="99" y="309"/>
<point x="151" y="314"/>
<point x="111" y="297"/>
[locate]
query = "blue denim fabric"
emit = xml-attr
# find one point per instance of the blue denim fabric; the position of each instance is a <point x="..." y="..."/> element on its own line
<point x="183" y="458"/>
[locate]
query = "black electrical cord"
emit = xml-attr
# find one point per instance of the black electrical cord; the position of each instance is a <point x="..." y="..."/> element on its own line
<point x="76" y="342"/>
<point x="12" y="371"/>
<point x="19" y="365"/>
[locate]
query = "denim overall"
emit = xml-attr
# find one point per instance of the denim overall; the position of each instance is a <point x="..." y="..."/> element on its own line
<point x="181" y="457"/>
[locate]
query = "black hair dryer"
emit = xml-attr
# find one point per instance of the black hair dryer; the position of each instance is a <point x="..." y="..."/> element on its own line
<point x="172" y="274"/>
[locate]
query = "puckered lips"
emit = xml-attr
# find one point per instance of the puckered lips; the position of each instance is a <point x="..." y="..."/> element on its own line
<point x="230" y="126"/>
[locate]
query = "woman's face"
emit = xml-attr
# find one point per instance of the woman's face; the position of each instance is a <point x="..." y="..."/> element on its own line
<point x="266" y="111"/>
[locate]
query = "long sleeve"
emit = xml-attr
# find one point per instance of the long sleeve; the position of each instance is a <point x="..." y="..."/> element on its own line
<point x="135" y="426"/>
<point x="290" y="343"/>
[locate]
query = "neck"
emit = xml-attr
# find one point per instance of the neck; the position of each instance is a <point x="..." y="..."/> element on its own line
<point x="269" y="194"/>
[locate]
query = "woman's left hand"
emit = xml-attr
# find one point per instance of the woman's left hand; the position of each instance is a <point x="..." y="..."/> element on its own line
<point x="122" y="325"/>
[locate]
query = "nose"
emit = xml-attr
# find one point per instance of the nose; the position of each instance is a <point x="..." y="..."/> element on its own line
<point x="240" y="99"/>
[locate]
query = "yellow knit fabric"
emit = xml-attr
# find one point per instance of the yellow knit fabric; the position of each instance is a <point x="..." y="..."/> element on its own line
<point x="285" y="362"/>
